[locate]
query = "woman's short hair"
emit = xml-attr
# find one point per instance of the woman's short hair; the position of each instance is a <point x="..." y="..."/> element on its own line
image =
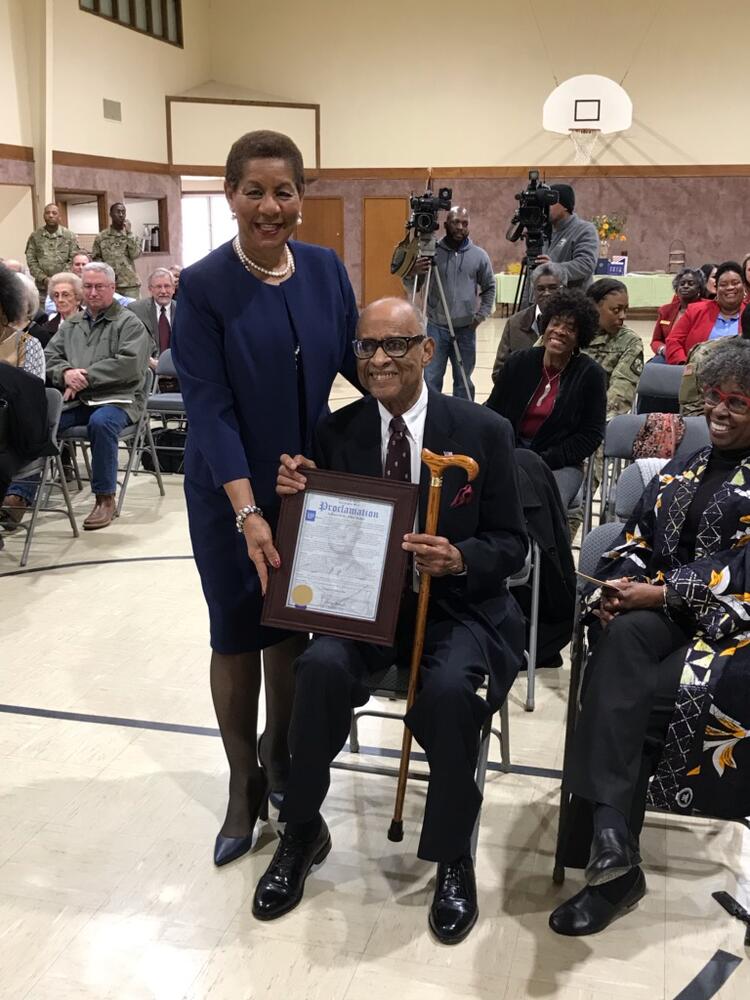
<point x="695" y="272"/>
<point x="264" y="145"/>
<point x="66" y="278"/>
<point x="600" y="289"/>
<point x="30" y="296"/>
<point x="572" y="304"/>
<point x="728" y="360"/>
<point x="12" y="299"/>
<point x="726" y="267"/>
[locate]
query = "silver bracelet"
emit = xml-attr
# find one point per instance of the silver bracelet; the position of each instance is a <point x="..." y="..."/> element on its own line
<point x="242" y="515"/>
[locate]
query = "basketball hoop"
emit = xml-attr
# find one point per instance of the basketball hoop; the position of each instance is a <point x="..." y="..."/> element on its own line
<point x="585" y="141"/>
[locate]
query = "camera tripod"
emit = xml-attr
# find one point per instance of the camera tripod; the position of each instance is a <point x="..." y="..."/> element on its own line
<point x="427" y="245"/>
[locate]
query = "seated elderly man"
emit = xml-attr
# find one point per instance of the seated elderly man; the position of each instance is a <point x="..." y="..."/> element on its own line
<point x="156" y="312"/>
<point x="666" y="696"/>
<point x="522" y="329"/>
<point x="98" y="359"/>
<point x="474" y="630"/>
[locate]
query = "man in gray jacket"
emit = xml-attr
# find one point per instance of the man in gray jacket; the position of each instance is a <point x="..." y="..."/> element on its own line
<point x="469" y="284"/>
<point x="574" y="243"/>
<point x="98" y="359"/>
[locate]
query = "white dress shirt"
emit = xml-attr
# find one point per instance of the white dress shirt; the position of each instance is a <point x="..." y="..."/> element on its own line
<point x="414" y="420"/>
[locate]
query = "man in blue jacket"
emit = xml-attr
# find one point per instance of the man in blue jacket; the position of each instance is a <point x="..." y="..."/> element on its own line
<point x="469" y="284"/>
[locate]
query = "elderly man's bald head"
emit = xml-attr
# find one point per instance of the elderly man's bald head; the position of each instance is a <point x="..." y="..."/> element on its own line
<point x="392" y="353"/>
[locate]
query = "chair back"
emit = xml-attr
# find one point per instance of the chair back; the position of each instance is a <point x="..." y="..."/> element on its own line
<point x="631" y="483"/>
<point x="54" y="412"/>
<point x="165" y="366"/>
<point x="661" y="382"/>
<point x="620" y="434"/>
<point x="598" y="541"/>
<point x="696" y="436"/>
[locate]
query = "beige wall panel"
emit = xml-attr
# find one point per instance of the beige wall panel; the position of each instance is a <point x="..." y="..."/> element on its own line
<point x="16" y="219"/>
<point x="203" y="133"/>
<point x="465" y="84"/>
<point x="15" y="111"/>
<point x="95" y="59"/>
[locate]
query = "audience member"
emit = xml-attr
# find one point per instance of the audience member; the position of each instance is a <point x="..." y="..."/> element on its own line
<point x="98" y="353"/>
<point x="668" y="646"/>
<point x="262" y="328"/>
<point x="35" y="317"/>
<point x="80" y="260"/>
<point x="21" y="389"/>
<point x="176" y="271"/>
<point x="709" y="320"/>
<point x="522" y="329"/>
<point x="616" y="347"/>
<point x="469" y="286"/>
<point x="689" y="286"/>
<point x="117" y="247"/>
<point x="66" y="292"/>
<point x="14" y="265"/>
<point x="50" y="248"/>
<point x="691" y="400"/>
<point x="157" y="311"/>
<point x="746" y="274"/>
<point x="555" y="396"/>
<point x="709" y="273"/>
<point x="474" y="630"/>
<point x="573" y="243"/>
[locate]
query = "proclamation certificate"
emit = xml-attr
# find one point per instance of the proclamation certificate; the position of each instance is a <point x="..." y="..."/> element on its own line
<point x="340" y="558"/>
<point x="342" y="566"/>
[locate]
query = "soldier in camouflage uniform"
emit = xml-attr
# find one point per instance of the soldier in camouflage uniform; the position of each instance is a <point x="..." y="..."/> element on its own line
<point x="50" y="249"/>
<point x="118" y="247"/>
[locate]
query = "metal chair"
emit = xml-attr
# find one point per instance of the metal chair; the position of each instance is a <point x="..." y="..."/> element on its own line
<point x="531" y="571"/>
<point x="393" y="685"/>
<point x="165" y="404"/>
<point x="45" y="468"/>
<point x="131" y="437"/>
<point x="661" y="385"/>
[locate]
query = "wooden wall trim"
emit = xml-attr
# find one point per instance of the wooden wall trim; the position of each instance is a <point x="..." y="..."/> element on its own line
<point x="489" y="173"/>
<point x="61" y="158"/>
<point x="10" y="152"/>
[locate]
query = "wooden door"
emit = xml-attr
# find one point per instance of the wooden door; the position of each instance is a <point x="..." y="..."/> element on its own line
<point x="382" y="229"/>
<point x="323" y="223"/>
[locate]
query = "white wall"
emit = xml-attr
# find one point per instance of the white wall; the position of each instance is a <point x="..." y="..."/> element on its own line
<point x="16" y="220"/>
<point x="18" y="72"/>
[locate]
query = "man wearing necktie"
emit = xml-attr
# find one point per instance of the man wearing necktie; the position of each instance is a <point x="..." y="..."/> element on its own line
<point x="156" y="312"/>
<point x="474" y="632"/>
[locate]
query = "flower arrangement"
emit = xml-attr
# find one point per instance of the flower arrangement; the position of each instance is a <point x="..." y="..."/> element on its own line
<point x="610" y="227"/>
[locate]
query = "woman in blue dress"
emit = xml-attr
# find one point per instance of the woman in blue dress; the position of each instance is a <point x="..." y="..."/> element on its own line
<point x="262" y="329"/>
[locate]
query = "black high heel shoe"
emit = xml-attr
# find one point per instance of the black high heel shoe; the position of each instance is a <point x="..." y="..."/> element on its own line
<point x="277" y="787"/>
<point x="228" y="849"/>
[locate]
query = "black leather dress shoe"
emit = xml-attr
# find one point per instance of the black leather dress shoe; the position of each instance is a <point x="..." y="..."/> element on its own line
<point x="589" y="911"/>
<point x="612" y="855"/>
<point x="280" y="888"/>
<point x="454" y="909"/>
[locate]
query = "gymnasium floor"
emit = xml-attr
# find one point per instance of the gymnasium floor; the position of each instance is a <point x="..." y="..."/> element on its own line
<point x="107" y="890"/>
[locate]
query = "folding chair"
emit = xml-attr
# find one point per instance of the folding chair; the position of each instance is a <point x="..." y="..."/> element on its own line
<point x="658" y="389"/>
<point x="131" y="437"/>
<point x="394" y="685"/>
<point x="166" y="405"/>
<point x="531" y="571"/>
<point x="45" y="468"/>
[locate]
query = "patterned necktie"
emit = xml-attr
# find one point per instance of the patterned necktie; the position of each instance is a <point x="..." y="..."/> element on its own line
<point x="165" y="330"/>
<point x="398" y="453"/>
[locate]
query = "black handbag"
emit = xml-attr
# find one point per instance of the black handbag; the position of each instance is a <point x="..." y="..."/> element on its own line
<point x="4" y="424"/>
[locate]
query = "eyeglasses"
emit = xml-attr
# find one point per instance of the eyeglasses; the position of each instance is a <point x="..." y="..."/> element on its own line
<point x="394" y="347"/>
<point x="94" y="288"/>
<point x="735" y="402"/>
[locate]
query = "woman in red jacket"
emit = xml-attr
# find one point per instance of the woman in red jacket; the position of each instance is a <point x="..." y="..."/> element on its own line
<point x="689" y="285"/>
<point x="709" y="320"/>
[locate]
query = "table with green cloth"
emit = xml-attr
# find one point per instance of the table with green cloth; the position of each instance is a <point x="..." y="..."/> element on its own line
<point x="645" y="291"/>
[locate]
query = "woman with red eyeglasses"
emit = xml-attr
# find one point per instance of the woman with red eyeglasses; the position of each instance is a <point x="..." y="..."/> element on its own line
<point x="666" y="697"/>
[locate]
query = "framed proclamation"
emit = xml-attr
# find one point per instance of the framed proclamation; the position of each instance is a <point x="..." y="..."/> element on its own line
<point x="342" y="566"/>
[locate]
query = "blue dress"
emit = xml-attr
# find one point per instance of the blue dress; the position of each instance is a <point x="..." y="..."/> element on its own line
<point x="256" y="363"/>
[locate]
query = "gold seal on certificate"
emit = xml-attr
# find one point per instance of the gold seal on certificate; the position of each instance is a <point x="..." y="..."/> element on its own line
<point x="342" y="565"/>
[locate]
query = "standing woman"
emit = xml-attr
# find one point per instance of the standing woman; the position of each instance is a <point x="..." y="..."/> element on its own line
<point x="263" y="328"/>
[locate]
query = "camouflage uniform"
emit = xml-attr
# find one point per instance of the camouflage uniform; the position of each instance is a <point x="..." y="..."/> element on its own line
<point x="119" y="249"/>
<point x="49" y="253"/>
<point x="621" y="357"/>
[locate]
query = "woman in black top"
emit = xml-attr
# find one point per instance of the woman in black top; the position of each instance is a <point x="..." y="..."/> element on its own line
<point x="554" y="396"/>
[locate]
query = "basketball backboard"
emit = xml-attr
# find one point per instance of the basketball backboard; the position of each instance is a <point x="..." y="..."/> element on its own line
<point x="588" y="102"/>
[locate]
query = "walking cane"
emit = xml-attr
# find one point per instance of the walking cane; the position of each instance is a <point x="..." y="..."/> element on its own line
<point x="437" y="464"/>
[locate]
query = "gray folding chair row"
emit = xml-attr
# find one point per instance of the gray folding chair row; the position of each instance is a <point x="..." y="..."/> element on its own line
<point x="660" y="383"/>
<point x="48" y="471"/>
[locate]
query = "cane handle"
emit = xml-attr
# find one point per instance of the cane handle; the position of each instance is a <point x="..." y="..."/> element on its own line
<point x="437" y="464"/>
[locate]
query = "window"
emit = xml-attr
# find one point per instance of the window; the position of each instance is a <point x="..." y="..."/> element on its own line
<point x="206" y="223"/>
<point x="148" y="221"/>
<point x="161" y="19"/>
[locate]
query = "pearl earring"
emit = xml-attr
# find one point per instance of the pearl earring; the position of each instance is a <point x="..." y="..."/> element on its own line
<point x="299" y="219"/>
<point x="234" y="215"/>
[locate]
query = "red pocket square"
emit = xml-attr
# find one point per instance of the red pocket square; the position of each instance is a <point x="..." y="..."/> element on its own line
<point x="464" y="496"/>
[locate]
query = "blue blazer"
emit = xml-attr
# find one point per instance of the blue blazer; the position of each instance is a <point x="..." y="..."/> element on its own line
<point x="233" y="345"/>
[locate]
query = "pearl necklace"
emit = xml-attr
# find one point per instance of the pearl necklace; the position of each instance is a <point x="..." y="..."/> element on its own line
<point x="251" y="266"/>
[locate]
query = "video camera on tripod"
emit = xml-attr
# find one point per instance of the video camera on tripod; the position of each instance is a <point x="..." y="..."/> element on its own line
<point x="531" y="222"/>
<point x="421" y="224"/>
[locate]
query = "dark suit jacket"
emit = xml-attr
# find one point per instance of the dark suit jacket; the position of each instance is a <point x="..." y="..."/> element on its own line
<point x="518" y="335"/>
<point x="489" y="530"/>
<point x="146" y="313"/>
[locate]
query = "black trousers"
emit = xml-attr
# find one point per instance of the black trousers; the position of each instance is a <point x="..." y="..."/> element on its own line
<point x="630" y="687"/>
<point x="446" y="720"/>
